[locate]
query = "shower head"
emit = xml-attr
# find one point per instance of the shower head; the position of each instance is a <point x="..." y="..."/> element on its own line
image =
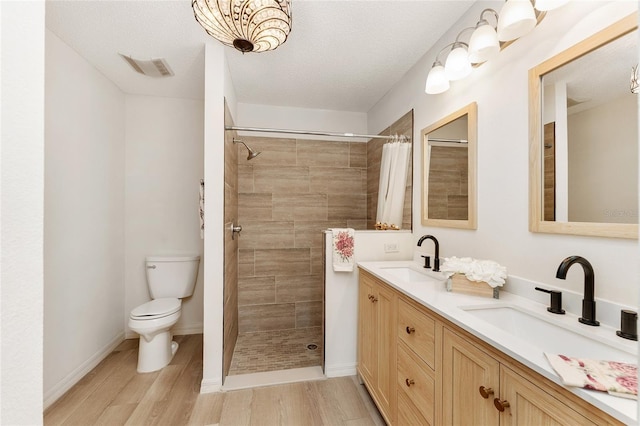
<point x="252" y="154"/>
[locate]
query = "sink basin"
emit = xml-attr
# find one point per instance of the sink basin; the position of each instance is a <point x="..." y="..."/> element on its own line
<point x="540" y="331"/>
<point x="407" y="274"/>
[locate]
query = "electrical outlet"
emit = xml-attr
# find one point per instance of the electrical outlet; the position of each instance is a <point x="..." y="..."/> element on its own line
<point x="391" y="248"/>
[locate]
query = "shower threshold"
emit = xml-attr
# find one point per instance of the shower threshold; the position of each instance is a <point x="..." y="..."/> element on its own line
<point x="269" y="378"/>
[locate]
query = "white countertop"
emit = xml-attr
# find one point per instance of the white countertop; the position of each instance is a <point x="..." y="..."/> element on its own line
<point x="433" y="295"/>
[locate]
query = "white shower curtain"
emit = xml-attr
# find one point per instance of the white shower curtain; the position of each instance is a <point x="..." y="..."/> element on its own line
<point x="393" y="180"/>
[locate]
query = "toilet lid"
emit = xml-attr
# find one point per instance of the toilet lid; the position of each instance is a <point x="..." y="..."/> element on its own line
<point x="156" y="308"/>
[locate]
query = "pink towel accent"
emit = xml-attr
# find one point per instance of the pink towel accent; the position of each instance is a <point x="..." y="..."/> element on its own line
<point x="616" y="378"/>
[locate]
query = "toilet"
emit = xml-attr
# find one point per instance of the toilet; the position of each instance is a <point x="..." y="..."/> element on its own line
<point x="170" y="278"/>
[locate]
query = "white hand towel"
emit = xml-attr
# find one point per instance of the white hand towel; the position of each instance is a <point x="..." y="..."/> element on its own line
<point x="343" y="249"/>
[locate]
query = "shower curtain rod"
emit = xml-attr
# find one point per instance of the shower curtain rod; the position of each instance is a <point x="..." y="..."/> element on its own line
<point x="306" y="132"/>
<point x="334" y="134"/>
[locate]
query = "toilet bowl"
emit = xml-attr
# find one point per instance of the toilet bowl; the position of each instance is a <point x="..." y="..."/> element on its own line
<point x="153" y="321"/>
<point x="170" y="278"/>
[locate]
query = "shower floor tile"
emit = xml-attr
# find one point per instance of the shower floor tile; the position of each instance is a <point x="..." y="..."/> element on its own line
<point x="260" y="351"/>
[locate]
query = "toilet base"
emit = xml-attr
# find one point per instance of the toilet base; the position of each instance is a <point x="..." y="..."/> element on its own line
<point x="157" y="353"/>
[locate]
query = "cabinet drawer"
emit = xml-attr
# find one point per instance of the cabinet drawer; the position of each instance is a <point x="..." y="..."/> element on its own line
<point x="417" y="382"/>
<point x="408" y="414"/>
<point x="417" y="330"/>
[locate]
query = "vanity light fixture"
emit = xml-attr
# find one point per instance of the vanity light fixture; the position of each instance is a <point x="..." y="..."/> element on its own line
<point x="247" y="25"/>
<point x="635" y="80"/>
<point x="547" y="5"/>
<point x="484" y="43"/>
<point x="516" y="19"/>
<point x="457" y="65"/>
<point x="437" y="81"/>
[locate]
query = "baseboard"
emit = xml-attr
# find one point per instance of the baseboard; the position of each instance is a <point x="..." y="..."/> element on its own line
<point x="340" y="370"/>
<point x="210" y="386"/>
<point x="74" y="377"/>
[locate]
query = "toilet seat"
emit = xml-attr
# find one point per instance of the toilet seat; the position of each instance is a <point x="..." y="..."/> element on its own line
<point x="155" y="309"/>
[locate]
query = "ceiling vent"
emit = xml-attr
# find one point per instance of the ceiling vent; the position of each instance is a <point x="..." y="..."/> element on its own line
<point x="151" y="68"/>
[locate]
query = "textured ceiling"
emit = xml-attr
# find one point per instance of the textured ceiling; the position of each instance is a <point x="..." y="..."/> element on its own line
<point x="341" y="55"/>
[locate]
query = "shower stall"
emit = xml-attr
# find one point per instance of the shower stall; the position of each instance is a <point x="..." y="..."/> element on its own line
<point x="284" y="198"/>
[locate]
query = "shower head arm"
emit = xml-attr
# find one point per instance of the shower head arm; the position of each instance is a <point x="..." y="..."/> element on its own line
<point x="252" y="154"/>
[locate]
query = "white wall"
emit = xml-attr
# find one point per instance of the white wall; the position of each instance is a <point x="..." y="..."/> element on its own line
<point x="21" y="229"/>
<point x="216" y="82"/>
<point x="500" y="88"/>
<point x="164" y="165"/>
<point x="603" y="162"/>
<point x="341" y="296"/>
<point x="84" y="217"/>
<point x="280" y="117"/>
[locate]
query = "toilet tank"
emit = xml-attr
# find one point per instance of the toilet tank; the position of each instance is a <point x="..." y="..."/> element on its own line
<point x="172" y="276"/>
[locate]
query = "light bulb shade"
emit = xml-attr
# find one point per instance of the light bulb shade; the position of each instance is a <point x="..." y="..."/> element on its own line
<point x="247" y="25"/>
<point x="547" y="5"/>
<point x="517" y="18"/>
<point x="457" y="66"/>
<point x="437" y="81"/>
<point x="484" y="44"/>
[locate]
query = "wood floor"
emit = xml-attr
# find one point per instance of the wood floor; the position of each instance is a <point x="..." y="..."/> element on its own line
<point x="115" y="394"/>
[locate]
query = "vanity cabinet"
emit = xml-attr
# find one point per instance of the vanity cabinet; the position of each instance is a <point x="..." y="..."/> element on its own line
<point x="377" y="313"/>
<point x="480" y="388"/>
<point x="421" y="369"/>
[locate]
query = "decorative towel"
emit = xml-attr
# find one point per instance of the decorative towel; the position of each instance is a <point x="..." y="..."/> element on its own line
<point x="343" y="248"/>
<point x="202" y="209"/>
<point x="616" y="378"/>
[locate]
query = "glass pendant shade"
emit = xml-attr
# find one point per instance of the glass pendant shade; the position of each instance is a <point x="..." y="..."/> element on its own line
<point x="457" y="65"/>
<point x="546" y="5"/>
<point x="437" y="81"/>
<point x="517" y="18"/>
<point x="484" y="43"/>
<point x="247" y="25"/>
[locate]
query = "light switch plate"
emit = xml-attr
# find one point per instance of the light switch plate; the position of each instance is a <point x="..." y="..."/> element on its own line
<point x="391" y="248"/>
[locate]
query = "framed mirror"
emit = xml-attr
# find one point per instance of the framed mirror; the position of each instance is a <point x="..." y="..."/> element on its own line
<point x="583" y="147"/>
<point x="449" y="170"/>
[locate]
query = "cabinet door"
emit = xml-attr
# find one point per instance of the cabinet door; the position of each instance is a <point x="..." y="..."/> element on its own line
<point x="529" y="405"/>
<point x="386" y="327"/>
<point x="465" y="368"/>
<point x="367" y="326"/>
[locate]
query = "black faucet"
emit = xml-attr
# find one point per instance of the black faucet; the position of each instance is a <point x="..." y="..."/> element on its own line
<point x="588" y="302"/>
<point x="436" y="260"/>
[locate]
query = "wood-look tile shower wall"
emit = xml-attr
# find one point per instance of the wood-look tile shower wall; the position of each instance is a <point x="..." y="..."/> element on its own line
<point x="288" y="195"/>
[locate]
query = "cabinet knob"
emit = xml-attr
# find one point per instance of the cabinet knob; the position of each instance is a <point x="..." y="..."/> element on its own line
<point x="485" y="392"/>
<point x="409" y="382"/>
<point x="501" y="405"/>
<point x="374" y="299"/>
<point x="410" y="330"/>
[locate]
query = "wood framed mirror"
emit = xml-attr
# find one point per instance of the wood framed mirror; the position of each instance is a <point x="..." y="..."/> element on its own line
<point x="449" y="170"/>
<point x="583" y="137"/>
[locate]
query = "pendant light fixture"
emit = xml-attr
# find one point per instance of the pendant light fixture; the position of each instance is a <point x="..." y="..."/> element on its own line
<point x="247" y="25"/>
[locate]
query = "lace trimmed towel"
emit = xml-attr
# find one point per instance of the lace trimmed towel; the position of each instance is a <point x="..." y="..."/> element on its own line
<point x="616" y="378"/>
<point x="343" y="249"/>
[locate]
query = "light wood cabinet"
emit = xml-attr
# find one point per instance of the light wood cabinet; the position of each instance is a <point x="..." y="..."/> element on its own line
<point x="465" y="368"/>
<point x="377" y="315"/>
<point x="421" y="369"/>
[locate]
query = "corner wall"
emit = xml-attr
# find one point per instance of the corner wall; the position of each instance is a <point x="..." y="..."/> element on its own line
<point x="500" y="87"/>
<point x="84" y="217"/>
